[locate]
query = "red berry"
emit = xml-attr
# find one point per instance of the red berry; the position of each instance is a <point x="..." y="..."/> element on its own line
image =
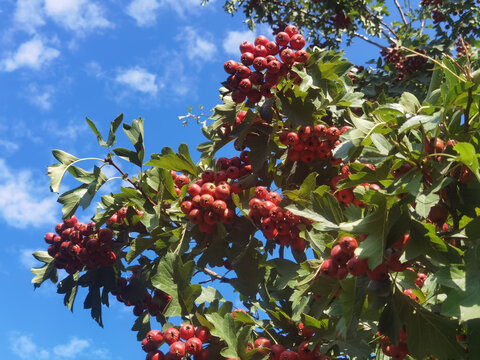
<point x="247" y="46"/>
<point x="282" y="38"/>
<point x="272" y="48"/>
<point x="260" y="50"/>
<point x="297" y="42"/>
<point x="247" y="58"/>
<point x="291" y="30"/>
<point x="287" y="55"/>
<point x="193" y="345"/>
<point x="178" y="349"/>
<point x="357" y="266"/>
<point x="230" y="67"/>
<point x="328" y="269"/>
<point x="301" y="56"/>
<point x="171" y="335"/>
<point x="181" y="180"/>
<point x="187" y="331"/>
<point x="203" y="333"/>
<point x="262" y="343"/>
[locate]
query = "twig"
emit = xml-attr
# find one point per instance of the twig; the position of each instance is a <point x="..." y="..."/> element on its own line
<point x="363" y="37"/>
<point x="466" y="113"/>
<point x="422" y="26"/>
<point x="401" y="12"/>
<point x="215" y="276"/>
<point x="109" y="161"/>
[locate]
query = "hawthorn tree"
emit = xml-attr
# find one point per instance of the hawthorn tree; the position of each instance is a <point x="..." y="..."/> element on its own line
<point x="348" y="223"/>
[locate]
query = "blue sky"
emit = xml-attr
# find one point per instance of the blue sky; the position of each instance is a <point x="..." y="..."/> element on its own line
<point x="63" y="60"/>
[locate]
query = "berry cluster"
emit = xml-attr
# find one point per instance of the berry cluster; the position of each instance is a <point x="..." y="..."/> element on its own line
<point x="268" y="69"/>
<point x="397" y="352"/>
<point x="179" y="180"/>
<point x="276" y="223"/>
<point x="120" y="216"/>
<point x="463" y="47"/>
<point x="438" y="16"/>
<point x="405" y="65"/>
<point x="193" y="345"/>
<point x="308" y="144"/>
<point x="155" y="304"/>
<point x="341" y="20"/>
<point x="346" y="196"/>
<point x="74" y="245"/>
<point x="208" y="200"/>
<point x="431" y="2"/>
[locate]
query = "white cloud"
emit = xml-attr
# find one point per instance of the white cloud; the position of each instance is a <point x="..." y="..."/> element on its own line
<point x="8" y="145"/>
<point x="29" y="14"/>
<point x="27" y="259"/>
<point x="40" y="97"/>
<point x="144" y="11"/>
<point x="33" y="54"/>
<point x="182" y="7"/>
<point x="71" y="349"/>
<point x="199" y="45"/>
<point x="21" y="203"/>
<point x="231" y="44"/>
<point x="77" y="15"/>
<point x="25" y="348"/>
<point x="138" y="79"/>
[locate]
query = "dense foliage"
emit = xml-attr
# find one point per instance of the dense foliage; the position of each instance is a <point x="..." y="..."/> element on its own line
<point x="348" y="222"/>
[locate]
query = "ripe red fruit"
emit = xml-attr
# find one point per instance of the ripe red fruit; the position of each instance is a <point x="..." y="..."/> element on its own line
<point x="206" y="200"/>
<point x="420" y="280"/>
<point x="193" y="345"/>
<point x="69" y="223"/>
<point x="261" y="51"/>
<point x="304" y="352"/>
<point x="247" y="46"/>
<point x="245" y="85"/>
<point x="272" y="48"/>
<point x="203" y="355"/>
<point x="203" y="333"/>
<point x="196" y="216"/>
<point x="230" y="67"/>
<point x="297" y="243"/>
<point x="287" y="55"/>
<point x="297" y="42"/>
<point x="301" y="56"/>
<point x="357" y="266"/>
<point x="243" y="71"/>
<point x="155" y="336"/>
<point x="155" y="355"/>
<point x="181" y="180"/>
<point x="282" y="38"/>
<point x="105" y="235"/>
<point x="237" y="187"/>
<point x="262" y="343"/>
<point x="187" y="331"/>
<point x="438" y="213"/>
<point x="348" y="244"/>
<point x="178" y="349"/>
<point x="247" y="58"/>
<point x="288" y="355"/>
<point x="305" y="331"/>
<point x="379" y="273"/>
<point x="261" y="40"/>
<point x="275" y="351"/>
<point x="261" y="192"/>
<point x="328" y="268"/>
<point x="410" y="294"/>
<point x="148" y="346"/>
<point x="291" y="30"/>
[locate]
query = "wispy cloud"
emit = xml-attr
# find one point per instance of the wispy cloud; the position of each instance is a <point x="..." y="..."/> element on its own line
<point x="233" y="40"/>
<point x="32" y="54"/>
<point x="198" y="45"/>
<point x="77" y="15"/>
<point x="144" y="11"/>
<point x="80" y="16"/>
<point x="21" y="203"/>
<point x="138" y="79"/>
<point x="27" y="259"/>
<point x="24" y="348"/>
<point x="71" y="349"/>
<point x="40" y="97"/>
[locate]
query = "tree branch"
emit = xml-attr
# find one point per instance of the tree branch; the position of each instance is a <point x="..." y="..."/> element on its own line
<point x="363" y="37"/>
<point x="401" y="12"/>
<point x="109" y="161"/>
<point x="215" y="276"/>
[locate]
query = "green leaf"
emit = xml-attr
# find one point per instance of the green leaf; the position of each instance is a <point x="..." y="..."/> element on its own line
<point x="113" y="128"/>
<point x="68" y="286"/>
<point x="381" y="143"/>
<point x="57" y="171"/>
<point x="93" y="301"/>
<point x="100" y="140"/>
<point x="174" y="277"/>
<point x="128" y="155"/>
<point x="47" y="271"/>
<point x="464" y="302"/>
<point x="427" y="332"/>
<point x="142" y="325"/>
<point x="135" y="134"/>
<point x="429" y="122"/>
<point x="64" y="157"/>
<point x="424" y="202"/>
<point x="170" y="161"/>
<point x="468" y="156"/>
<point x="409" y="102"/>
<point x="226" y="329"/>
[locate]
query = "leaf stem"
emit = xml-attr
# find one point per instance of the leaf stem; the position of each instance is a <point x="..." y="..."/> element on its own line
<point x="401" y="12"/>
<point x="215" y="276"/>
<point x="109" y="160"/>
